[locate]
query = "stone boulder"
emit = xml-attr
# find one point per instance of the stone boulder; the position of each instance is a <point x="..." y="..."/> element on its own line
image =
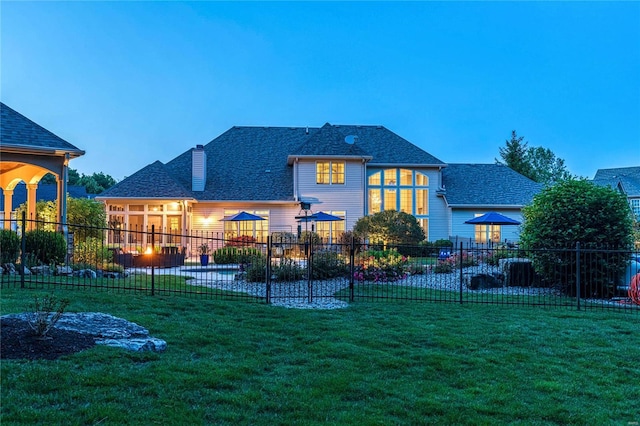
<point x="108" y="330"/>
<point x="484" y="281"/>
<point x="519" y="272"/>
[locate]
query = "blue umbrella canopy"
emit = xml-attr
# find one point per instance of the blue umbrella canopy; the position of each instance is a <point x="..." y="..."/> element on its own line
<point x="243" y="216"/>
<point x="492" y="218"/>
<point x="320" y="217"/>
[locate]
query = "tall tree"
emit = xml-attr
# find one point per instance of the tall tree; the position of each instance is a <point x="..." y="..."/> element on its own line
<point x="537" y="163"/>
<point x="514" y="155"/>
<point x="94" y="184"/>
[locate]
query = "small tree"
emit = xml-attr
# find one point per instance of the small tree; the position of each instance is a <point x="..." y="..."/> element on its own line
<point x="575" y="211"/>
<point x="389" y="227"/>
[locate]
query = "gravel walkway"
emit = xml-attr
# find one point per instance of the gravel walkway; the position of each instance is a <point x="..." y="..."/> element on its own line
<point x="296" y="294"/>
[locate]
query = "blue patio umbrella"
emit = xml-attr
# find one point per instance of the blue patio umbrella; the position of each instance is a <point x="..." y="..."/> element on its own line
<point x="319" y="217"/>
<point x="492" y="218"/>
<point x="243" y="217"/>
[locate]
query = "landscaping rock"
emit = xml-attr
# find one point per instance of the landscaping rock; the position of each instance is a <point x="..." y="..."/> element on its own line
<point x="518" y="272"/>
<point x="44" y="270"/>
<point x="483" y="281"/>
<point x="107" y="330"/>
<point x="64" y="270"/>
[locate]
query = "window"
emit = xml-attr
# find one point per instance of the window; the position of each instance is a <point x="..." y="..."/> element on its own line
<point x="136" y="207"/>
<point x="337" y="173"/>
<point x="635" y="207"/>
<point x="390" y="177"/>
<point x="406" y="201"/>
<point x="390" y="201"/>
<point x="422" y="201"/>
<point x="398" y="189"/>
<point x="375" y="202"/>
<point x="406" y="177"/>
<point x="322" y="173"/>
<point x="330" y="172"/>
<point x="486" y="233"/>
<point x="421" y="180"/>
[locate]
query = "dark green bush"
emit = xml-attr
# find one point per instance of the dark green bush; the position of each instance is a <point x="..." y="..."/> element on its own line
<point x="288" y="270"/>
<point x="257" y="270"/>
<point x="47" y="247"/>
<point x="235" y="255"/>
<point x="327" y="265"/>
<point x="9" y="246"/>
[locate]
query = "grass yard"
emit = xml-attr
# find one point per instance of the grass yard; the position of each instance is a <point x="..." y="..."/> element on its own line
<point x="377" y="363"/>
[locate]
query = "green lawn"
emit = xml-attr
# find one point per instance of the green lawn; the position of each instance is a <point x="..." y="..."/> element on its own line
<point x="377" y="363"/>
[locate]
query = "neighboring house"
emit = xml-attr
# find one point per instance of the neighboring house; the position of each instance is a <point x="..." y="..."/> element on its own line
<point x="625" y="180"/>
<point x="28" y="151"/>
<point x="347" y="171"/>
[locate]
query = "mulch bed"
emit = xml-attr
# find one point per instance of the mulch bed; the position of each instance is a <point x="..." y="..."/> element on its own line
<point x="18" y="341"/>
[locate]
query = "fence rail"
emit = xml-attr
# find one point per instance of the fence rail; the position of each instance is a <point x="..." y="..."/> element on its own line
<point x="286" y="270"/>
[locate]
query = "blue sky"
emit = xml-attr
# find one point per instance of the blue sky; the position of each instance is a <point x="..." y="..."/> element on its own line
<point x="135" y="82"/>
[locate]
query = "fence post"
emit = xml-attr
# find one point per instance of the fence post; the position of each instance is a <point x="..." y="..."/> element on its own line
<point x="461" y="276"/>
<point x="578" y="273"/>
<point x="23" y="248"/>
<point x="153" y="255"/>
<point x="268" y="289"/>
<point x="352" y="269"/>
<point x="309" y="268"/>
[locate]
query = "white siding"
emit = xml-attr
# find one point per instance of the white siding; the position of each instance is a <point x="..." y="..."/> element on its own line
<point x="348" y="197"/>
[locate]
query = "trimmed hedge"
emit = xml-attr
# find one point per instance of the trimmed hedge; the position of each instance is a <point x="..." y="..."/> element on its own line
<point x="9" y="246"/>
<point x="46" y="247"/>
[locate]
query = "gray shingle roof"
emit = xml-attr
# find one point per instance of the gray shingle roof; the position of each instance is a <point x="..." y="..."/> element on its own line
<point x="487" y="184"/>
<point x="627" y="177"/>
<point x="152" y="181"/>
<point x="386" y="147"/>
<point x="328" y="141"/>
<point x="250" y="163"/>
<point x="16" y="130"/>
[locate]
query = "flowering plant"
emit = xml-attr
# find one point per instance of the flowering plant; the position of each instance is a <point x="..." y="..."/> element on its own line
<point x="380" y="266"/>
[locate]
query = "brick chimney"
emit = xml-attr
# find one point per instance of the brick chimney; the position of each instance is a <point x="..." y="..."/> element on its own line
<point x="198" y="168"/>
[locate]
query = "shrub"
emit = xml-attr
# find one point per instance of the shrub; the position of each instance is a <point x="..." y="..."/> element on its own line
<point x="345" y="242"/>
<point x="257" y="270"/>
<point x="48" y="247"/>
<point x="306" y="236"/>
<point x="44" y="313"/>
<point x="91" y="251"/>
<point x="112" y="267"/>
<point x="575" y="211"/>
<point x="380" y="266"/>
<point x="327" y="265"/>
<point x="494" y="257"/>
<point x="227" y="255"/>
<point x="9" y="246"/>
<point x="444" y="267"/>
<point x="287" y="270"/>
<point x="390" y="227"/>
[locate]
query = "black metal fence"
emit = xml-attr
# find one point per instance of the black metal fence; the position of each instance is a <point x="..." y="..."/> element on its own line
<point x="287" y="270"/>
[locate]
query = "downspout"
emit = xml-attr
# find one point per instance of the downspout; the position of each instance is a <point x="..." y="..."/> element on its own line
<point x="295" y="180"/>
<point x="62" y="195"/>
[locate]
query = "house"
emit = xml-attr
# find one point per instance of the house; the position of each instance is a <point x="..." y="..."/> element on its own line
<point x="279" y="172"/>
<point x="28" y="151"/>
<point x="624" y="179"/>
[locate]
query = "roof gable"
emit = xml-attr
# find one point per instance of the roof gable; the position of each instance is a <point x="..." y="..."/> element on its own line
<point x="626" y="178"/>
<point x="16" y="130"/>
<point x="328" y="141"/>
<point x="487" y="184"/>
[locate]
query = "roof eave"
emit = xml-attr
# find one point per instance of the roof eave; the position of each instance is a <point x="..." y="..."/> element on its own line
<point x="440" y="165"/>
<point x="28" y="149"/>
<point x="292" y="158"/>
